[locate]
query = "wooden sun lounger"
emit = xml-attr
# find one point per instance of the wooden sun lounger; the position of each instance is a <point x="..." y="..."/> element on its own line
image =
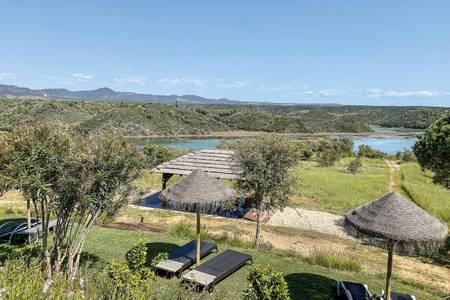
<point x="185" y="256"/>
<point x="211" y="272"/>
<point x="20" y="230"/>
<point x="353" y="291"/>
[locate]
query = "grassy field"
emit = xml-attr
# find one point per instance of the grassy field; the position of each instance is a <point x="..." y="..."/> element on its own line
<point x="335" y="190"/>
<point x="305" y="279"/>
<point x="420" y="187"/>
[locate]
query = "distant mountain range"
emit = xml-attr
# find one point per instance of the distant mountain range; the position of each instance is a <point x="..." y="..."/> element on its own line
<point x="106" y="94"/>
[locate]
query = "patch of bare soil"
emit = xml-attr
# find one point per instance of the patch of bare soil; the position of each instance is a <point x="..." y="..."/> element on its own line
<point x="137" y="227"/>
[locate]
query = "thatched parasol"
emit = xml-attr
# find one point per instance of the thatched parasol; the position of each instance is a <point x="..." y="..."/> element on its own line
<point x="397" y="224"/>
<point x="198" y="192"/>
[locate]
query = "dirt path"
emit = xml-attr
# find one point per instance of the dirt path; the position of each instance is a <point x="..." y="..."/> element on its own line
<point x="395" y="169"/>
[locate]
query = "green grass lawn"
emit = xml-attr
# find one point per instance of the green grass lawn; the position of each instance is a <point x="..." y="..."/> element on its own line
<point x="335" y="190"/>
<point x="420" y="187"/>
<point x="305" y="281"/>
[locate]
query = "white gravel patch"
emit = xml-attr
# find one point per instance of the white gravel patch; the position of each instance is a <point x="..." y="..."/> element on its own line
<point x="310" y="220"/>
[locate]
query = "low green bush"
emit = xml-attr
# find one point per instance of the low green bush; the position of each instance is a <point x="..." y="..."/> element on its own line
<point x="266" y="284"/>
<point x="137" y="256"/>
<point x="333" y="261"/>
<point x="354" y="166"/>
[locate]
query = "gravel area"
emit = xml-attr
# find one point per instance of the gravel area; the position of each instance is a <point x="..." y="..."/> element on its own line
<point x="310" y="220"/>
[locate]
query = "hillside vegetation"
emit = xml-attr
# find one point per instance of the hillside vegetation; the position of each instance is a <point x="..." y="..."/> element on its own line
<point x="418" y="184"/>
<point x="158" y="119"/>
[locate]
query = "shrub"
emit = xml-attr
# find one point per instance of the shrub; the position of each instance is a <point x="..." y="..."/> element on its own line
<point x="327" y="153"/>
<point x="407" y="156"/>
<point x="157" y="154"/>
<point x="354" y="165"/>
<point x="265" y="284"/>
<point x="333" y="261"/>
<point x="369" y="152"/>
<point x="125" y="280"/>
<point x="137" y="256"/>
<point x="304" y="150"/>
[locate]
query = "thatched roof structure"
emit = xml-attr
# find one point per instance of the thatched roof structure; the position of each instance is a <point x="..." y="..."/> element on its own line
<point x="393" y="218"/>
<point x="198" y="190"/>
<point x="216" y="162"/>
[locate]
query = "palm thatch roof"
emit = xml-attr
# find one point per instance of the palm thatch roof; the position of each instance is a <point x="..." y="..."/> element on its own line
<point x="395" y="218"/>
<point x="216" y="162"/>
<point x="196" y="191"/>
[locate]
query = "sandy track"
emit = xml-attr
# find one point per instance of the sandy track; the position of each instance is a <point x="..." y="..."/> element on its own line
<point x="311" y="220"/>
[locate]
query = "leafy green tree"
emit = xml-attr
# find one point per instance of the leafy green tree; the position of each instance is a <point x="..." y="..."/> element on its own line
<point x="74" y="179"/>
<point x="433" y="150"/>
<point x="327" y="153"/>
<point x="157" y="154"/>
<point x="32" y="159"/>
<point x="265" y="162"/>
<point x="344" y="145"/>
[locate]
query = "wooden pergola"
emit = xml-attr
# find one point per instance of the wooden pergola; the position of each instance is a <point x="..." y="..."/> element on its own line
<point x="216" y="162"/>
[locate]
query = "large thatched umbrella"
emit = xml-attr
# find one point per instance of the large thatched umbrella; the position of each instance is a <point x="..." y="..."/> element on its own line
<point x="397" y="224"/>
<point x="198" y="192"/>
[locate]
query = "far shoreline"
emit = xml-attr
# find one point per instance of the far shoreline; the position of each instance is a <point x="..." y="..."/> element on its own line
<point x="243" y="134"/>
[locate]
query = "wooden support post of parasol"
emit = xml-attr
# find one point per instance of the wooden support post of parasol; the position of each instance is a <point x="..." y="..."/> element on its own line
<point x="389" y="270"/>
<point x="198" y="237"/>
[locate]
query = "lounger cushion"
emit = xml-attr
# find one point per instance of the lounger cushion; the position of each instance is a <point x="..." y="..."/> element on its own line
<point x="170" y="265"/>
<point x="199" y="277"/>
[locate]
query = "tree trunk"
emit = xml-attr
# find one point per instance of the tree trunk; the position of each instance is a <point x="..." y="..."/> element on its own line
<point x="45" y="258"/>
<point x="258" y="236"/>
<point x="29" y="217"/>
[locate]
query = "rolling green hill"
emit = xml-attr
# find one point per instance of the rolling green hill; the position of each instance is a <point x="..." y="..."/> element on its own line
<point x="158" y="119"/>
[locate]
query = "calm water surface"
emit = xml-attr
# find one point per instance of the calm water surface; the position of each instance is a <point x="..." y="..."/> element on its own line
<point x="388" y="143"/>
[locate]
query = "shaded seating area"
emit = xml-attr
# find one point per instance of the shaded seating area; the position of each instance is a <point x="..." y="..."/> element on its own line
<point x="184" y="257"/>
<point x="201" y="193"/>
<point x="208" y="274"/>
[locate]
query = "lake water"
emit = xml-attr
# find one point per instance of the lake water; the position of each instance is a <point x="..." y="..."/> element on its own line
<point x="386" y="143"/>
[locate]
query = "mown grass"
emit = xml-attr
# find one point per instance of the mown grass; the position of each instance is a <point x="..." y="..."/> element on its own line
<point x="420" y="187"/>
<point x="335" y="190"/>
<point x="305" y="280"/>
<point x="308" y="277"/>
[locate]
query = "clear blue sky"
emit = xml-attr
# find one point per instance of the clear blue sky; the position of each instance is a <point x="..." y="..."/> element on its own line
<point x="353" y="52"/>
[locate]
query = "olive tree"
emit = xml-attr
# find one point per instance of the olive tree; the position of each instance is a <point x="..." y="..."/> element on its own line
<point x="265" y="162"/>
<point x="432" y="150"/>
